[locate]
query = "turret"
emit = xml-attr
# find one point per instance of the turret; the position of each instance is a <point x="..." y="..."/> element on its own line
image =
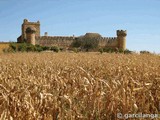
<point x="25" y="21"/>
<point x="46" y="34"/>
<point x="25" y="25"/>
<point x="121" y="37"/>
<point x="30" y="33"/>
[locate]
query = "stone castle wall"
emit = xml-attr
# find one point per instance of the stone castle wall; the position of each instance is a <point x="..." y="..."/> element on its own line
<point x="60" y="41"/>
<point x="66" y="41"/>
<point x="108" y="41"/>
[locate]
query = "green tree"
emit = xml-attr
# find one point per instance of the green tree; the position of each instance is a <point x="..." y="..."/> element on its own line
<point x="90" y="43"/>
<point x="77" y="43"/>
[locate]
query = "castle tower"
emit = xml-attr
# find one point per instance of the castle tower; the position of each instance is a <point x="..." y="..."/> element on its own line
<point x="30" y="35"/>
<point x="46" y="34"/>
<point x="27" y="24"/>
<point x="121" y="37"/>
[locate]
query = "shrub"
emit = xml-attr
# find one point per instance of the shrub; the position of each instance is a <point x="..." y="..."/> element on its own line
<point x="120" y="51"/>
<point x="45" y="48"/>
<point x="13" y="46"/>
<point x="54" y="48"/>
<point x="145" y="52"/>
<point x="38" y="48"/>
<point x="61" y="49"/>
<point x="22" y="47"/>
<point x="101" y="50"/>
<point x="75" y="50"/>
<point x="108" y="50"/>
<point x="127" y="51"/>
<point x="77" y="43"/>
<point x="30" y="48"/>
<point x="25" y="47"/>
<point x="116" y="50"/>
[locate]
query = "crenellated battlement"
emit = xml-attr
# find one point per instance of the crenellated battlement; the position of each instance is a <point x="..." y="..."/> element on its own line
<point x="109" y="38"/>
<point x="121" y="33"/>
<point x="56" y="38"/>
<point x="25" y="21"/>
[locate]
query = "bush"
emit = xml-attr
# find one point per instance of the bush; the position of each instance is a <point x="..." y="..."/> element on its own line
<point x="120" y="51"/>
<point x="61" y="49"/>
<point x="116" y="50"/>
<point x="45" y="48"/>
<point x="145" y="52"/>
<point x="38" y="48"/>
<point x="22" y="47"/>
<point x="77" y="43"/>
<point x="13" y="46"/>
<point x="75" y="50"/>
<point x="127" y="51"/>
<point x="54" y="48"/>
<point x="30" y="48"/>
<point x="109" y="50"/>
<point x="101" y="50"/>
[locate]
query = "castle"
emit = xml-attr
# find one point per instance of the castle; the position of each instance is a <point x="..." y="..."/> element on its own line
<point x="31" y="34"/>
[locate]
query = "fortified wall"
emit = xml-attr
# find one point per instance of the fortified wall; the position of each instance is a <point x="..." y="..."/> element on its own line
<point x="61" y="41"/>
<point x="31" y="34"/>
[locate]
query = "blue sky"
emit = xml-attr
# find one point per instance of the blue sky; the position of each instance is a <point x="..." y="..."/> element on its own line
<point x="141" y="19"/>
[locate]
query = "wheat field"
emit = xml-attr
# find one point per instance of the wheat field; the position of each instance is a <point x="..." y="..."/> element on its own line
<point x="3" y="46"/>
<point x="78" y="86"/>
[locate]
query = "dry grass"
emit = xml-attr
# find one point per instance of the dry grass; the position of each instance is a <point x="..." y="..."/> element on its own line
<point x="3" y="46"/>
<point x="82" y="86"/>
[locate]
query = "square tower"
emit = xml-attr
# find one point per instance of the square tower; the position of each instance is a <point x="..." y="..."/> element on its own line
<point x="27" y="24"/>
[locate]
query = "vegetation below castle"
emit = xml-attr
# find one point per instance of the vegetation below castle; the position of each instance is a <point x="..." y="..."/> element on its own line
<point x="25" y="47"/>
<point x="77" y="46"/>
<point x="91" y="44"/>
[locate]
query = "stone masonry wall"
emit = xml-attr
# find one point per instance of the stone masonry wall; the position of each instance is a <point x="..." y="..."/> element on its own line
<point x="108" y="41"/>
<point x="60" y="41"/>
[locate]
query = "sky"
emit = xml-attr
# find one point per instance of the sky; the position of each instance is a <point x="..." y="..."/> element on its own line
<point x="141" y="19"/>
